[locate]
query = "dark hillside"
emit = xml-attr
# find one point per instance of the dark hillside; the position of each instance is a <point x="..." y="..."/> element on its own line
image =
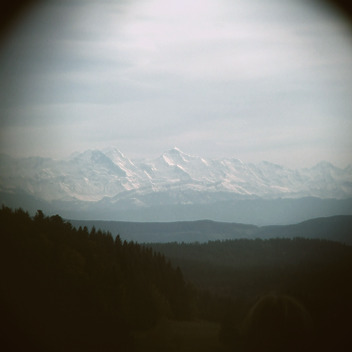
<point x="67" y="289"/>
<point x="213" y="263"/>
<point x="316" y="272"/>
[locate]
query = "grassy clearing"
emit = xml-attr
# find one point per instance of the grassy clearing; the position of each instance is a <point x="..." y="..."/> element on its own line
<point x="176" y="336"/>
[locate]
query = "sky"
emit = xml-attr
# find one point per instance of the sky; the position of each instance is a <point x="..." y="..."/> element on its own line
<point x="255" y="80"/>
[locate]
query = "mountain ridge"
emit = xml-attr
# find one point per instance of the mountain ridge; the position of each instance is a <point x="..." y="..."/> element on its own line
<point x="174" y="186"/>
<point x="94" y="175"/>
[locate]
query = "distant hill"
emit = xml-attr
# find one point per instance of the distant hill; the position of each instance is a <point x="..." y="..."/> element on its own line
<point x="335" y="228"/>
<point x="181" y="231"/>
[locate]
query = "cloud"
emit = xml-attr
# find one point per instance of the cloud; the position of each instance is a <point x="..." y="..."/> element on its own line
<point x="223" y="77"/>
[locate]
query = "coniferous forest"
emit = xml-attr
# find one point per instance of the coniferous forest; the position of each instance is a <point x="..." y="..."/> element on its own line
<point x="64" y="289"/>
<point x="317" y="273"/>
<point x="73" y="289"/>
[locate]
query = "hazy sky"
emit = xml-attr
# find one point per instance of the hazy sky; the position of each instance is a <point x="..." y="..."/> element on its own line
<point x="255" y="80"/>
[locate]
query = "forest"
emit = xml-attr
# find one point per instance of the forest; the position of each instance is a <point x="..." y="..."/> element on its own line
<point x="72" y="289"/>
<point x="67" y="289"/>
<point x="235" y="274"/>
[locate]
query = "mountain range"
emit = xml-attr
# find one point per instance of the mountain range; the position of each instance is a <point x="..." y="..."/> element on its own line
<point x="106" y="184"/>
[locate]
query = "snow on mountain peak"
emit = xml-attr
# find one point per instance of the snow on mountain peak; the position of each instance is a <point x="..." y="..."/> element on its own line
<point x="95" y="174"/>
<point x="173" y="157"/>
<point x="168" y="160"/>
<point x="176" y="150"/>
<point x="113" y="151"/>
<point x="93" y="156"/>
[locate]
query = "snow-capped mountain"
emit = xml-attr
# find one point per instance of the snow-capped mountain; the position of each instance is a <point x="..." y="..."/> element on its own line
<point x="180" y="178"/>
